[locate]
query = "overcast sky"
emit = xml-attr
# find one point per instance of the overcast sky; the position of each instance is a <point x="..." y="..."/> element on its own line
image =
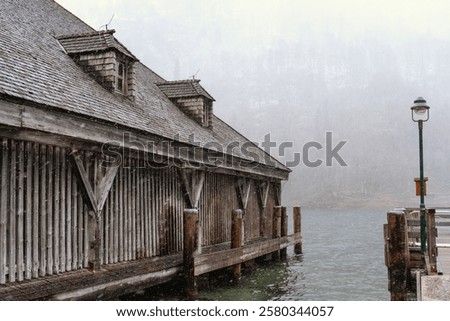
<point x="300" y="68"/>
<point x="246" y="25"/>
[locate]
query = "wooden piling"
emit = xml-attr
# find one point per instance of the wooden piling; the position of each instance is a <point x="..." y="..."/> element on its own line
<point x="236" y="239"/>
<point x="283" y="231"/>
<point x="431" y="242"/>
<point x="94" y="241"/>
<point x="398" y="255"/>
<point x="190" y="232"/>
<point x="276" y="230"/>
<point x="298" y="228"/>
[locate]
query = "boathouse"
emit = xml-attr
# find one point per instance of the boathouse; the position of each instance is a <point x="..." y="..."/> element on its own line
<point x="103" y="164"/>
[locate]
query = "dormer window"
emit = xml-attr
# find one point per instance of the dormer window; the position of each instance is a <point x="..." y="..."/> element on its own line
<point x="191" y="98"/>
<point x="121" y="78"/>
<point x="103" y="57"/>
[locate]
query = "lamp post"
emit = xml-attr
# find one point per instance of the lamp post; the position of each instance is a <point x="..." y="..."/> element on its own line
<point x="420" y="113"/>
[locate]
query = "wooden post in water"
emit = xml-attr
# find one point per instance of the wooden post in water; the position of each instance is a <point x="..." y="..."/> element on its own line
<point x="398" y="257"/>
<point x="190" y="226"/>
<point x="283" y="231"/>
<point x="431" y="241"/>
<point x="236" y="240"/>
<point x="276" y="231"/>
<point x="298" y="228"/>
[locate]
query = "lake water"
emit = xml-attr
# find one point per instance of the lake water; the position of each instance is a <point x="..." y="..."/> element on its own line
<point x="343" y="259"/>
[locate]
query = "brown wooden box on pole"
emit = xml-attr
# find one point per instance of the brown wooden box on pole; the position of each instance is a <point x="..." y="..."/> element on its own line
<point x="417" y="180"/>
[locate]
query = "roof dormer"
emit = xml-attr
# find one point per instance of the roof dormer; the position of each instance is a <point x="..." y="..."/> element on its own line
<point x="103" y="57"/>
<point x="191" y="98"/>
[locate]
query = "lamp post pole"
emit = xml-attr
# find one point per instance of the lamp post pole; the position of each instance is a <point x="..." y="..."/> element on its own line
<point x="420" y="114"/>
<point x="423" y="223"/>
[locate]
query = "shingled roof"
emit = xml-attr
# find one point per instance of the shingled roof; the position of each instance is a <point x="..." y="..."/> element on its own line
<point x="34" y="67"/>
<point x="93" y="41"/>
<point x="183" y="88"/>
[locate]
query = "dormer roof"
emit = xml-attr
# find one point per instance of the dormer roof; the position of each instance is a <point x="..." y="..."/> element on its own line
<point x="93" y="42"/>
<point x="183" y="89"/>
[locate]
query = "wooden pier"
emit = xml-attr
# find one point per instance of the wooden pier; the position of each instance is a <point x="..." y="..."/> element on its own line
<point x="112" y="280"/>
<point x="413" y="276"/>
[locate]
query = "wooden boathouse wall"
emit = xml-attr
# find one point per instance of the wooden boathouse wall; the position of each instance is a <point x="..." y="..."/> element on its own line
<point x="46" y="221"/>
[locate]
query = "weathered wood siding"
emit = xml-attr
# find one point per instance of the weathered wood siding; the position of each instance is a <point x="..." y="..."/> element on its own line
<point x="217" y="200"/>
<point x="143" y="214"/>
<point x="44" y="218"/>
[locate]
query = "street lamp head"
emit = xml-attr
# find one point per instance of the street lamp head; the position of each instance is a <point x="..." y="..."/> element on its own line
<point x="420" y="110"/>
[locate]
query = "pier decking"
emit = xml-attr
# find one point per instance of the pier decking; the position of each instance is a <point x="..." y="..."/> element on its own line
<point x="405" y="263"/>
<point x="437" y="287"/>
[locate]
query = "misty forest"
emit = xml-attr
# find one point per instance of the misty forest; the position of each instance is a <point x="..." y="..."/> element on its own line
<point x="297" y="75"/>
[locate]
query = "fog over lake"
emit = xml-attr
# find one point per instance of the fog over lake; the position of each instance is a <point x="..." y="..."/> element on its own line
<point x="301" y="69"/>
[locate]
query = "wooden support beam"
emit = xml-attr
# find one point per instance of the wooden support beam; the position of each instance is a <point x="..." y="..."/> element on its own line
<point x="3" y="208"/>
<point x="276" y="230"/>
<point x="236" y="240"/>
<point x="104" y="186"/>
<point x="190" y="231"/>
<point x="192" y="185"/>
<point x="277" y="192"/>
<point x="94" y="195"/>
<point x="243" y="192"/>
<point x="298" y="228"/>
<point x="263" y="195"/>
<point x="398" y="255"/>
<point x="80" y="172"/>
<point x="283" y="231"/>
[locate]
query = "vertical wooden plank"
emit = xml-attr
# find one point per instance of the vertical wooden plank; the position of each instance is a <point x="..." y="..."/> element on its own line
<point x="49" y="200"/>
<point x="20" y="211"/>
<point x="36" y="210"/>
<point x="3" y="209"/>
<point x="69" y="215"/>
<point x="116" y="217"/>
<point x="137" y="215"/>
<point x="158" y="209"/>
<point x="62" y="212"/>
<point x="141" y="221"/>
<point x="12" y="214"/>
<point x="75" y="198"/>
<point x="149" y="212"/>
<point x="86" y="210"/>
<point x="29" y="211"/>
<point x="142" y="200"/>
<point x="146" y="213"/>
<point x="132" y="216"/>
<point x="121" y="216"/>
<point x="43" y="212"/>
<point x="106" y="225"/>
<point x="56" y="210"/>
